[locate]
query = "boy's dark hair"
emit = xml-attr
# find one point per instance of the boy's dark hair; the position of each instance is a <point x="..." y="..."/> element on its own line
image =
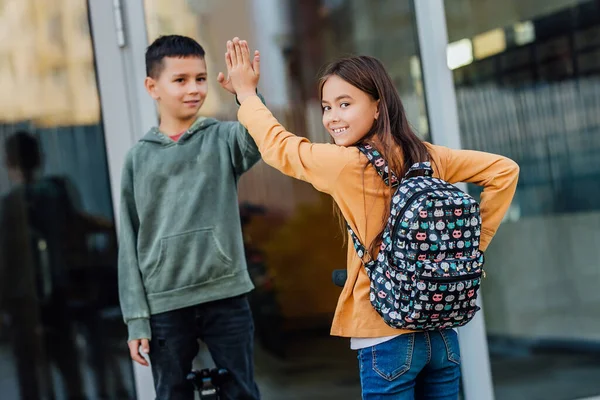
<point x="170" y="46"/>
<point x="23" y="152"/>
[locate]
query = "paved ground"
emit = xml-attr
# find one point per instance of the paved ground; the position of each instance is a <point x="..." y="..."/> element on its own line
<point x="324" y="368"/>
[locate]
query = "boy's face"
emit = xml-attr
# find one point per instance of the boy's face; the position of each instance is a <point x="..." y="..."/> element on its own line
<point x="181" y="87"/>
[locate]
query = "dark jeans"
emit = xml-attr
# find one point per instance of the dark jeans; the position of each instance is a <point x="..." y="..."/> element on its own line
<point x="421" y="365"/>
<point x="225" y="326"/>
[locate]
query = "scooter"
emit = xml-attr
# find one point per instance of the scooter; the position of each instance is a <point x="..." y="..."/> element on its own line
<point x="207" y="382"/>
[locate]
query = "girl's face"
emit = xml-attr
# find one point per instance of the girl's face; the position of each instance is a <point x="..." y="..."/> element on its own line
<point x="348" y="112"/>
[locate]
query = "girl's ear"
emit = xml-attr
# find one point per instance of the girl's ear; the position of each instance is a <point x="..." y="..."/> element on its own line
<point x="377" y="109"/>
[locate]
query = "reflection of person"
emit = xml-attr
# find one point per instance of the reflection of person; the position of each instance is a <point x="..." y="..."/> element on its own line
<point x="182" y="270"/>
<point x="361" y="105"/>
<point x="263" y="300"/>
<point x="34" y="221"/>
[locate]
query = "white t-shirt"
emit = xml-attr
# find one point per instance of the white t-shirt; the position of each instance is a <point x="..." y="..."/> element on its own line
<point x="361" y="343"/>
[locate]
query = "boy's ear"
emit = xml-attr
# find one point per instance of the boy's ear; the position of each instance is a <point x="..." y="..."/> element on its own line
<point x="150" y="85"/>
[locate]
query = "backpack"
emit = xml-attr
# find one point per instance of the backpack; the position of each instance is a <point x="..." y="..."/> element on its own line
<point x="429" y="267"/>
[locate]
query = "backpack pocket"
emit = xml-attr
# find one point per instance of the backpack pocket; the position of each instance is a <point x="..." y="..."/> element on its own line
<point x="445" y="293"/>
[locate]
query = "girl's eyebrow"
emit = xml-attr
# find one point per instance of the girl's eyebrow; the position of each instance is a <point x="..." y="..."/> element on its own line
<point x="340" y="97"/>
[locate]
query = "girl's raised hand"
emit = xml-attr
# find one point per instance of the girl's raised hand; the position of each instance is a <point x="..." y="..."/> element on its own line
<point x="243" y="72"/>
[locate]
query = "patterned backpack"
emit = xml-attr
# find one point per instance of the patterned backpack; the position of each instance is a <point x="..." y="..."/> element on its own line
<point x="429" y="267"/>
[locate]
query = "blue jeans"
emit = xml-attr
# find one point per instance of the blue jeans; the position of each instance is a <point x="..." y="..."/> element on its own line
<point x="421" y="365"/>
<point x="227" y="328"/>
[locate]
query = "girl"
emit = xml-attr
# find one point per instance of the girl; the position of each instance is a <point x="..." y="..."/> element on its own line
<point x="361" y="106"/>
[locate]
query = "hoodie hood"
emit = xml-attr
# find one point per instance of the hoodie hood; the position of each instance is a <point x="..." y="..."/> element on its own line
<point x="154" y="135"/>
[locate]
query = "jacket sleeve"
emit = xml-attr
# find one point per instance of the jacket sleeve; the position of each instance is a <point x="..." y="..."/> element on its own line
<point x="132" y="294"/>
<point x="319" y="164"/>
<point x="243" y="149"/>
<point x="497" y="174"/>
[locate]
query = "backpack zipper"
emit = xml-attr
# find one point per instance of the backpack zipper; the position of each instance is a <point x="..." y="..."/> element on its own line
<point x="471" y="275"/>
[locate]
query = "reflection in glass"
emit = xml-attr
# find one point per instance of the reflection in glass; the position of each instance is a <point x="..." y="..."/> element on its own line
<point x="61" y="333"/>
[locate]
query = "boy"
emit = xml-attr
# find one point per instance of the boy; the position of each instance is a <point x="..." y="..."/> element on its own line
<point x="182" y="271"/>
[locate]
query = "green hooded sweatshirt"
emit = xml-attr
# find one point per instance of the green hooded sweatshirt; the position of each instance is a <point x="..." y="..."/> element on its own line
<point x="180" y="238"/>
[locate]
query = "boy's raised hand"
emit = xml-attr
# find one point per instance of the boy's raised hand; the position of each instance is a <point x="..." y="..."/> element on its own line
<point x="225" y="83"/>
<point x="244" y="73"/>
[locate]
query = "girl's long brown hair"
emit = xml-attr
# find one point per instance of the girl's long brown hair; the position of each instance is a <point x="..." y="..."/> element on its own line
<point x="391" y="129"/>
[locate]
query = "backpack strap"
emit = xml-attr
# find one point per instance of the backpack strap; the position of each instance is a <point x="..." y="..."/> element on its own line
<point x="381" y="166"/>
<point x="424" y="167"/>
<point x="360" y="249"/>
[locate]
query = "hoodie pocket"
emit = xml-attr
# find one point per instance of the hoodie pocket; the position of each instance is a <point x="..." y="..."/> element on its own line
<point x="188" y="259"/>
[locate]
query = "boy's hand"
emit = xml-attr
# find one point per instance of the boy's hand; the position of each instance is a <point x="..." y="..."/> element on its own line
<point x="134" y="350"/>
<point x="225" y="83"/>
<point x="243" y="72"/>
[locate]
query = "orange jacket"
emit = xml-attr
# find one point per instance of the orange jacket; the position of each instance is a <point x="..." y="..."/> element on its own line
<point x="361" y="195"/>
